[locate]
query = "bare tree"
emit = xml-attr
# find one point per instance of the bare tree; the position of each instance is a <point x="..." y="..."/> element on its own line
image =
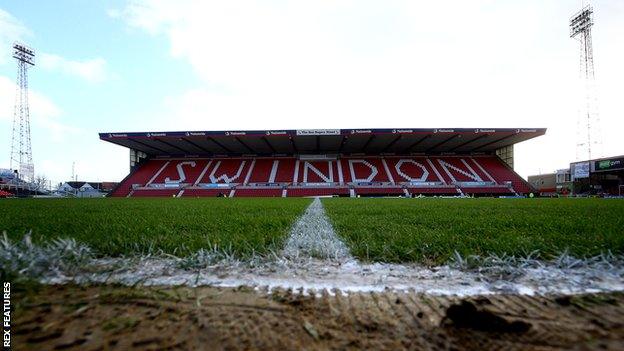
<point x="41" y="182"/>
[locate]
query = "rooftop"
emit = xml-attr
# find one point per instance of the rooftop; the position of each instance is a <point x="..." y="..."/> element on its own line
<point x="323" y="141"/>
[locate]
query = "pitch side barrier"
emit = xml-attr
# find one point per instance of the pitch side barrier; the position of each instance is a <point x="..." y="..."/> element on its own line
<point x="481" y="175"/>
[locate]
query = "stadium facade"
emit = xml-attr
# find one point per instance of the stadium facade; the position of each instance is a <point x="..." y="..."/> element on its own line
<point x="323" y="162"/>
<point x="602" y="176"/>
<point x="552" y="184"/>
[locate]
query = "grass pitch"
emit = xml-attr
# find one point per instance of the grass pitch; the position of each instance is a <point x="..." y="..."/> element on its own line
<point x="431" y="230"/>
<point x="181" y="226"/>
<point x="389" y="230"/>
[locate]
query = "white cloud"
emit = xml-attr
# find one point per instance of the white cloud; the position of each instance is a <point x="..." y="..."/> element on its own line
<point x="53" y="140"/>
<point x="10" y="30"/>
<point x="347" y="63"/>
<point x="40" y="105"/>
<point x="93" y="70"/>
<point x="340" y="58"/>
<point x="44" y="114"/>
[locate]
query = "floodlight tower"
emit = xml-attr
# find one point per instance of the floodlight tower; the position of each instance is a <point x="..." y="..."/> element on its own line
<point x="588" y="124"/>
<point x="21" y="149"/>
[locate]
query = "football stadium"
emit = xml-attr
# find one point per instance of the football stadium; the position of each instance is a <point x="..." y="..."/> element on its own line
<point x="324" y="162"/>
<point x="248" y="238"/>
<point x="380" y="238"/>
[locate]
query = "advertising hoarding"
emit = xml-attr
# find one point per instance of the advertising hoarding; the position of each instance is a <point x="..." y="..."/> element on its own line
<point x="580" y="170"/>
<point x="609" y="164"/>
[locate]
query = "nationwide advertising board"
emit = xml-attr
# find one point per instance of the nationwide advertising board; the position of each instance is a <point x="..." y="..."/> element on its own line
<point x="611" y="164"/>
<point x="580" y="170"/>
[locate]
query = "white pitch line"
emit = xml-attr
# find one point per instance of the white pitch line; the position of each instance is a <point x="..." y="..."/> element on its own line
<point x="314" y="276"/>
<point x="313" y="236"/>
<point x="56" y="264"/>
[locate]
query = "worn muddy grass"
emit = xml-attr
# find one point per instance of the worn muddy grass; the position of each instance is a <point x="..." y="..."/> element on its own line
<point x="181" y="226"/>
<point x="431" y="230"/>
<point x="108" y="317"/>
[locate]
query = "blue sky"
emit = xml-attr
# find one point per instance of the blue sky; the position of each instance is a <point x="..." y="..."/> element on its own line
<point x="148" y="65"/>
<point x="137" y="72"/>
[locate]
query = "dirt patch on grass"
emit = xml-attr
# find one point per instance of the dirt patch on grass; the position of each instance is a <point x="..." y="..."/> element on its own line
<point x="59" y="317"/>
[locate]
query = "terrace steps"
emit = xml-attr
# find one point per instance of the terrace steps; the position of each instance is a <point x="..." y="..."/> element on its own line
<point x="346" y="176"/>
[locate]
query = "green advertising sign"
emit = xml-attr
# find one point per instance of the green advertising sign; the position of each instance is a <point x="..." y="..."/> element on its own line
<point x="612" y="164"/>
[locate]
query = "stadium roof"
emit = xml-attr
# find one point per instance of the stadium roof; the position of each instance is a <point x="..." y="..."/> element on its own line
<point x="323" y="141"/>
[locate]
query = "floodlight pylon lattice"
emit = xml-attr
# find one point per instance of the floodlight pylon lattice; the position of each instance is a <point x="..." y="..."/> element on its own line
<point x="589" y="138"/>
<point x="21" y="147"/>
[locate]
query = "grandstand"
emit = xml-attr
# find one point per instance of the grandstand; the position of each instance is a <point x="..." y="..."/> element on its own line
<point x="337" y="162"/>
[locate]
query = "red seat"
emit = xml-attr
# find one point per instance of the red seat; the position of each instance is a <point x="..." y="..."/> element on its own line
<point x="140" y="176"/>
<point x="502" y="173"/>
<point x="368" y="175"/>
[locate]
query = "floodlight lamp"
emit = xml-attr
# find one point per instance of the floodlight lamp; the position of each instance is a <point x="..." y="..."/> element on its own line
<point x="24" y="54"/>
<point x="581" y="22"/>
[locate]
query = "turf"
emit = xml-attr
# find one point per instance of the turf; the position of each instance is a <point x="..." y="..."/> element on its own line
<point x="431" y="230"/>
<point x="390" y="230"/>
<point x="181" y="226"/>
